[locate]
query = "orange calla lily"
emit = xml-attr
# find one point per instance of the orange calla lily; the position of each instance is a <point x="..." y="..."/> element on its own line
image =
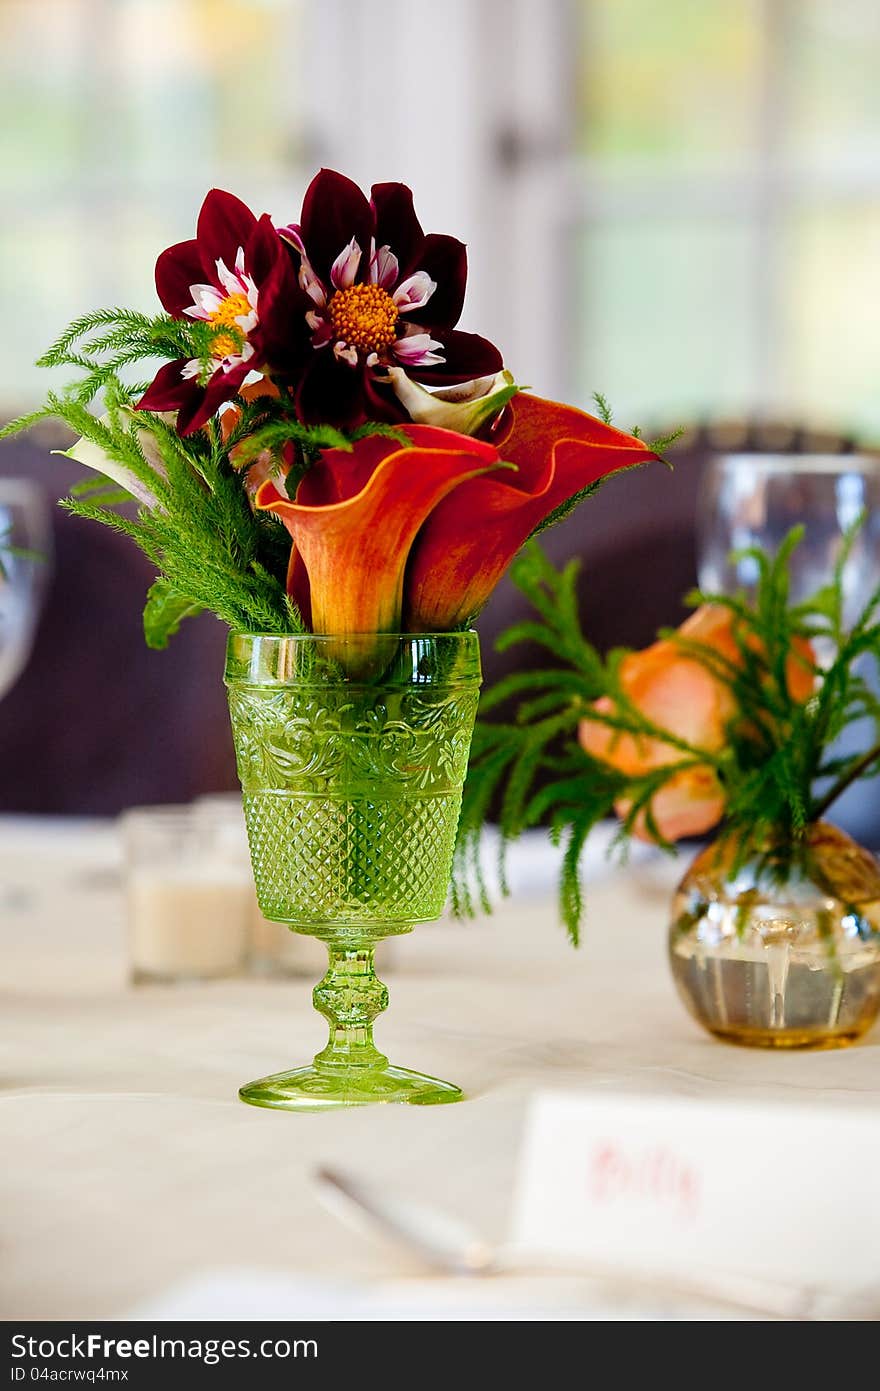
<point x="471" y="537"/>
<point x="417" y="536"/>
<point x="355" y="518"/>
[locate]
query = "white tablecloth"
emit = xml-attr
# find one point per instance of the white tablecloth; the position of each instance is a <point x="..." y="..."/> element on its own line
<point x="130" y="1169"/>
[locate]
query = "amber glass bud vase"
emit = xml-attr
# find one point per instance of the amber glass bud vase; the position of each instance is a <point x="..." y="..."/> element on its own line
<point x="777" y="945"/>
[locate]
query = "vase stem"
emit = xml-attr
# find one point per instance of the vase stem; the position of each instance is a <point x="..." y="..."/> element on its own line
<point x="350" y="1071"/>
<point x="350" y="996"/>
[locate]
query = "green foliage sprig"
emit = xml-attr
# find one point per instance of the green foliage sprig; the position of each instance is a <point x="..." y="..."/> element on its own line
<point x="776" y="770"/>
<point x="102" y="344"/>
<point x="210" y="550"/>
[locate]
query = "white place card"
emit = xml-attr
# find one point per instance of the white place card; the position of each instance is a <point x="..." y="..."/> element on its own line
<point x="656" y="1186"/>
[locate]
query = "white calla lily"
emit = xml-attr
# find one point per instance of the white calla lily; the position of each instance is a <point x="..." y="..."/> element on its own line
<point x="464" y="408"/>
<point x="94" y="456"/>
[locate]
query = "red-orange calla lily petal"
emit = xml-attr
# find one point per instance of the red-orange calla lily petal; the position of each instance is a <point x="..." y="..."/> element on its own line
<point x="471" y="537"/>
<point x="357" y="514"/>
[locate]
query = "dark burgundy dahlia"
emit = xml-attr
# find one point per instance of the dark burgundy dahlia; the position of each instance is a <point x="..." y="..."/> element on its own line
<point x="375" y="293"/>
<point x="236" y="279"/>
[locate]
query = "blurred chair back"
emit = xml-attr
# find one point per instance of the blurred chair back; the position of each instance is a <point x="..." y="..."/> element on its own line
<point x="98" y="722"/>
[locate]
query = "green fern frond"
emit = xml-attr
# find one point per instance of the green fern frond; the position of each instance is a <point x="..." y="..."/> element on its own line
<point x="603" y="410"/>
<point x="774" y="768"/>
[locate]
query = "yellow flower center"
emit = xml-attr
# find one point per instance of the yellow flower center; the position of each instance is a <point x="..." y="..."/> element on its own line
<point x="230" y="309"/>
<point x="364" y="316"/>
<point x="229" y="337"/>
<point x="225" y="344"/>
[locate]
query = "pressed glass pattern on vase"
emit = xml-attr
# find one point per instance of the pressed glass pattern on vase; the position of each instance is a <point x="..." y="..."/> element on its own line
<point x="352" y="757"/>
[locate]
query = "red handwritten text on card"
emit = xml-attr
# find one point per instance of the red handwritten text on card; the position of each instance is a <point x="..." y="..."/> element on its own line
<point x="657" y="1174"/>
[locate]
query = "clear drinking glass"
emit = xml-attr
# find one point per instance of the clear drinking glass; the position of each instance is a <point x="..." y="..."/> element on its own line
<point x="25" y="569"/>
<point x="189" y="894"/>
<point x="352" y="760"/>
<point x="755" y="500"/>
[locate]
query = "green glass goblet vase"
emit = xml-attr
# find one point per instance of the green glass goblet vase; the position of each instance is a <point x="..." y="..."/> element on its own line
<point x="352" y="754"/>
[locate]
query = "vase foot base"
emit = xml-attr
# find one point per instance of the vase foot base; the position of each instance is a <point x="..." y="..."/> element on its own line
<point x="816" y="1040"/>
<point x="323" y="1089"/>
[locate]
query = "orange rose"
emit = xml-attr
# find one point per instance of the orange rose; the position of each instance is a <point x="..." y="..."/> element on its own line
<point x="676" y="692"/>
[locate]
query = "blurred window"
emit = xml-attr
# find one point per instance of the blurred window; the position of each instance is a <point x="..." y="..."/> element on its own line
<point x="726" y="228"/>
<point x="115" y="117"/>
<point x="676" y="203"/>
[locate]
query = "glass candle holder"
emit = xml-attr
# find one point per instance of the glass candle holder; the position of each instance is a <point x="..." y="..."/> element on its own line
<point x="276" y="952"/>
<point x="188" y="892"/>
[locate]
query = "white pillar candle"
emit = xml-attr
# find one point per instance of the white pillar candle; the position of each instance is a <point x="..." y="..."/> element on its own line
<point x="188" y="921"/>
<point x="276" y="950"/>
<point x="190" y="894"/>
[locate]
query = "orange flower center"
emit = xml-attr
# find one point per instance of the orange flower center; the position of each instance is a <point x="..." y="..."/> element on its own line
<point x="230" y="309"/>
<point x="364" y="316"/>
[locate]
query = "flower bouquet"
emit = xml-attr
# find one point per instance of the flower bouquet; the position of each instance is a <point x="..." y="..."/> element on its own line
<point x="326" y="462"/>
<point x="733" y="719"/>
